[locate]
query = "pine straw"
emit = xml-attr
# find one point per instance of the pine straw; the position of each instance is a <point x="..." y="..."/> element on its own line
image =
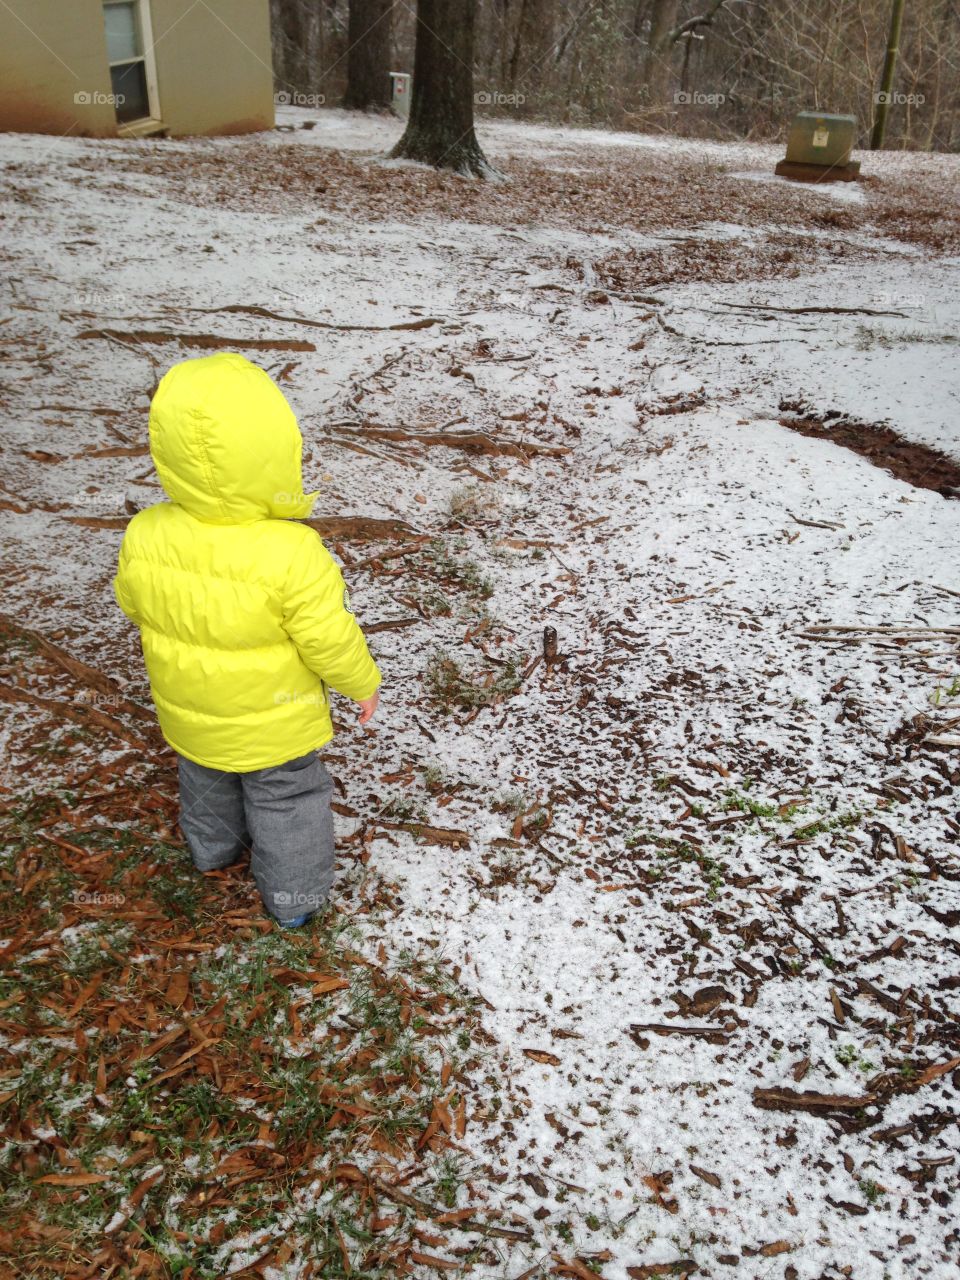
<point x="186" y="1089"/>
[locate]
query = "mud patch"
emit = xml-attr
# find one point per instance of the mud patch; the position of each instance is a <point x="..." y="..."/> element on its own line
<point x="917" y="464"/>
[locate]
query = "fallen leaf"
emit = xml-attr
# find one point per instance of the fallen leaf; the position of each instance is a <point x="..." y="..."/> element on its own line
<point x="325" y="985"/>
<point x="706" y="1175"/>
<point x="74" y="1179"/>
<point x="774" y="1247"/>
<point x="657" y="1182"/>
<point x="541" y="1055"/>
<point x="428" y="1260"/>
<point x="177" y="988"/>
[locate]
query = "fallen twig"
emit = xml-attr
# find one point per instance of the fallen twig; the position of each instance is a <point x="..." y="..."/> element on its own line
<point x="809" y="1100"/>
<point x="237" y="308"/>
<point x="80" y="712"/>
<point x="468" y="441"/>
<point x="886" y="628"/>
<point x="206" y="341"/>
<point x="667" y="1029"/>
<point x="398" y="624"/>
<point x="79" y="670"/>
<point x="816" y="524"/>
<point x="806" y="311"/>
<point x="446" y="836"/>
<point x="391" y="555"/>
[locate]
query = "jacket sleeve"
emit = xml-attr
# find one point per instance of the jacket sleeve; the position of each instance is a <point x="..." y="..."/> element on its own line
<point x="120" y="589"/>
<point x="317" y="618"/>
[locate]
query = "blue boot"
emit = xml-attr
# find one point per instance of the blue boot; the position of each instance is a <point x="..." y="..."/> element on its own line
<point x="297" y="922"/>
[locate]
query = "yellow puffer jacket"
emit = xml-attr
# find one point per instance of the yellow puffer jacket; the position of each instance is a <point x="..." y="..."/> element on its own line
<point x="243" y="614"/>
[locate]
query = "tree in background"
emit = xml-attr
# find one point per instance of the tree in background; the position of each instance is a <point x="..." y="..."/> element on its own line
<point x="440" y="131"/>
<point x="302" y="37"/>
<point x="368" y="55"/>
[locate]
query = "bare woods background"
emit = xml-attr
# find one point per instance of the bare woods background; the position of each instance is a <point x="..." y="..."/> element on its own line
<point x="718" y="68"/>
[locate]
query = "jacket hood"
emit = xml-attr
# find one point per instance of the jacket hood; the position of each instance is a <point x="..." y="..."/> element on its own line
<point x="226" y="444"/>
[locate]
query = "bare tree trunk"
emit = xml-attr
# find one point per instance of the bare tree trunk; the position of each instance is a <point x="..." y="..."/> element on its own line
<point x="298" y="45"/>
<point x="368" y="55"/>
<point x="531" y="42"/>
<point x="663" y="20"/>
<point x="440" y="129"/>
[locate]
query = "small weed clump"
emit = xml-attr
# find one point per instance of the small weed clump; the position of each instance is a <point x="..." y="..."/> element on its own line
<point x="747" y="804"/>
<point x="468" y="504"/>
<point x="454" y="688"/>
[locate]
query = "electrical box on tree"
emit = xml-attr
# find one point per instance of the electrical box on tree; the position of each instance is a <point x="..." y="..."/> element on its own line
<point x="400" y="83"/>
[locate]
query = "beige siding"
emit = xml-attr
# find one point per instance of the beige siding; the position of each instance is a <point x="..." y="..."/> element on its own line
<point x="50" y="52"/>
<point x="213" y="67"/>
<point x="214" y="72"/>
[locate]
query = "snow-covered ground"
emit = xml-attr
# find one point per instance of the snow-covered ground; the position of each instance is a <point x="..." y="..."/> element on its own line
<point x="705" y="795"/>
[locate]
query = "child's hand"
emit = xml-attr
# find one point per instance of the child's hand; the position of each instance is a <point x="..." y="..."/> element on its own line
<point x="368" y="706"/>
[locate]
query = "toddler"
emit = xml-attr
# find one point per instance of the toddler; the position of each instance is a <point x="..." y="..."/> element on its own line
<point x="245" y="623"/>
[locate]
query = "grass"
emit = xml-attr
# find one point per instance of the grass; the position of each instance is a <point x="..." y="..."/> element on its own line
<point x="403" y="808"/>
<point x="849" y="1055"/>
<point x="457" y="572"/>
<point x="514" y="802"/>
<point x="469" y="505"/>
<point x="450" y="583"/>
<point x="952" y="690"/>
<point x="740" y="801"/>
<point x="842" y="822"/>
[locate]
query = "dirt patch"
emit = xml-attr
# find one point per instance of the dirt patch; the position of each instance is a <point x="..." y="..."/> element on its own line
<point x="917" y="464"/>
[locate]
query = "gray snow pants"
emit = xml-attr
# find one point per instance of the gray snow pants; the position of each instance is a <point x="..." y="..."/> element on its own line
<point x="282" y="815"/>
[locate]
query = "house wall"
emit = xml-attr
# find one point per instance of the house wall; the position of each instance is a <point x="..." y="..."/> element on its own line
<point x="214" y="70"/>
<point x="213" y="65"/>
<point x="49" y="52"/>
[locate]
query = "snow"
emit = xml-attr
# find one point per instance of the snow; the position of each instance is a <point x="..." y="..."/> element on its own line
<point x="674" y="549"/>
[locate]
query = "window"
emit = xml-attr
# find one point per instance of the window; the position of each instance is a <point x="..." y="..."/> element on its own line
<point x="130" y="55"/>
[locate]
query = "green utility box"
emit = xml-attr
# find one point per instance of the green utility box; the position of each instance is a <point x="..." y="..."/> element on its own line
<point x="818" y="148"/>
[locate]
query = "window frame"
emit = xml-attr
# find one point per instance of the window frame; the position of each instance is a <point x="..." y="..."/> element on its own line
<point x="153" y="119"/>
